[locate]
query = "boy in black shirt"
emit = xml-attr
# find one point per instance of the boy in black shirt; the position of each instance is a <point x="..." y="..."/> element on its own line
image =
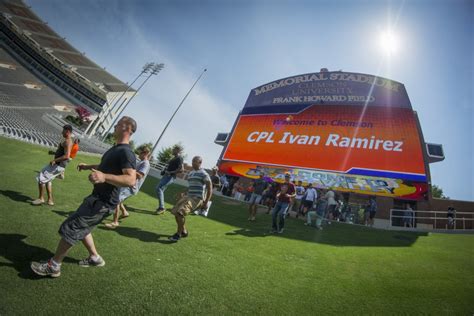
<point x="174" y="167"/>
<point x="116" y="169"/>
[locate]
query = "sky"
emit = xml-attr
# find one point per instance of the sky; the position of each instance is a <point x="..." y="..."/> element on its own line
<point x="245" y="44"/>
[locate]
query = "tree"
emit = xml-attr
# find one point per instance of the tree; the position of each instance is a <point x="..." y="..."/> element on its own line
<point x="166" y="153"/>
<point x="148" y="145"/>
<point x="437" y="192"/>
<point x="83" y="114"/>
<point x="131" y="143"/>
<point x="110" y="139"/>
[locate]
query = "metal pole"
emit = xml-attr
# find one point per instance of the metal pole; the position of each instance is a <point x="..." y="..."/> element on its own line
<point x="145" y="69"/>
<point x="108" y="108"/>
<point x="103" y="115"/>
<point x="176" y="111"/>
<point x="114" y="104"/>
<point x="155" y="70"/>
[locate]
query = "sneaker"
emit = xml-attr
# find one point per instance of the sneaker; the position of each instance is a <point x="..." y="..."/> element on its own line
<point x="306" y="224"/>
<point x="274" y="231"/>
<point x="112" y="225"/>
<point x="61" y="176"/>
<point x="280" y="231"/>
<point x="174" y="238"/>
<point x="159" y="211"/>
<point x="45" y="269"/>
<point x="37" y="202"/>
<point x="204" y="213"/>
<point x="184" y="234"/>
<point x="88" y="262"/>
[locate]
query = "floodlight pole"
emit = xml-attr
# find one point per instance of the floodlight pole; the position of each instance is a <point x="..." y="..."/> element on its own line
<point x="156" y="68"/>
<point x="176" y="111"/>
<point x="105" y="113"/>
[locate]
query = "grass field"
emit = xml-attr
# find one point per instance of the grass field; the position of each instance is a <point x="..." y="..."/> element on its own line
<point x="226" y="266"/>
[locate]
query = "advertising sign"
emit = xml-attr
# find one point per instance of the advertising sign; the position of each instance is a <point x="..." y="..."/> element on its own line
<point x="329" y="88"/>
<point x="396" y="188"/>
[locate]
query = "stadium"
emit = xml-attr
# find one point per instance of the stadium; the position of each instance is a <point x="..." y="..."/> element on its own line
<point x="228" y="265"/>
<point x="44" y="79"/>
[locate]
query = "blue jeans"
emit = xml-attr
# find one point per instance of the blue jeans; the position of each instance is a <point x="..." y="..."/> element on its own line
<point x="160" y="189"/>
<point x="279" y="210"/>
<point x="309" y="215"/>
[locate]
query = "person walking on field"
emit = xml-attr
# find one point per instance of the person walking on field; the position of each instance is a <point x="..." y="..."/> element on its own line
<point x="296" y="203"/>
<point x="198" y="196"/>
<point x="143" y="167"/>
<point x="370" y="212"/>
<point x="116" y="169"/>
<point x="259" y="186"/>
<point x="72" y="155"/>
<point x="285" y="193"/>
<point x="169" y="174"/>
<point x="55" y="167"/>
<point x="332" y="204"/>
<point x="309" y="198"/>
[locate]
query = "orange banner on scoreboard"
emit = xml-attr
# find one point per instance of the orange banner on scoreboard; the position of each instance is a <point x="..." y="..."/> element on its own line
<point x="376" y="141"/>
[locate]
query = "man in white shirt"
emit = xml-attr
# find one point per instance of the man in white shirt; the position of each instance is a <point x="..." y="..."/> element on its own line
<point x="310" y="196"/>
<point x="143" y="167"/>
<point x="296" y="203"/>
<point x="332" y="204"/>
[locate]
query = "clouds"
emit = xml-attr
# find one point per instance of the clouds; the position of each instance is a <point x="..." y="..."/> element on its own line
<point x="201" y="116"/>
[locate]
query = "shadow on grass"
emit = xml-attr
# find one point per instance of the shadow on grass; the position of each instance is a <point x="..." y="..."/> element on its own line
<point x="140" y="211"/>
<point x="235" y="213"/>
<point x="137" y="233"/>
<point x="15" y="196"/>
<point x="63" y="213"/>
<point x="336" y="234"/>
<point x="20" y="254"/>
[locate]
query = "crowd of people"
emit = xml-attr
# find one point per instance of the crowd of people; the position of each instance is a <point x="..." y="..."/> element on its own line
<point x="117" y="177"/>
<point x="316" y="206"/>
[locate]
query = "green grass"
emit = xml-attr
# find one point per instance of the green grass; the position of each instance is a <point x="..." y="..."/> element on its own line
<point x="226" y="266"/>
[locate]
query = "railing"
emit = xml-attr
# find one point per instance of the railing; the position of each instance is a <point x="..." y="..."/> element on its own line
<point x="159" y="166"/>
<point x="434" y="220"/>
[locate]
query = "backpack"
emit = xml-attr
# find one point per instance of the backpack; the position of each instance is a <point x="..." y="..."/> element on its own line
<point x="74" y="150"/>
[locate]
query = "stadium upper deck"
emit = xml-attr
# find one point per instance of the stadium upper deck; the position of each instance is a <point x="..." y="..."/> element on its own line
<point x="35" y="42"/>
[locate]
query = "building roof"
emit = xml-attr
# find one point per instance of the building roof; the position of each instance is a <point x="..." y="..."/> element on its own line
<point x="48" y="40"/>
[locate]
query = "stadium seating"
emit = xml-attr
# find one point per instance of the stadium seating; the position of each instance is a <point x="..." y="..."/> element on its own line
<point x="29" y="114"/>
<point x="43" y="78"/>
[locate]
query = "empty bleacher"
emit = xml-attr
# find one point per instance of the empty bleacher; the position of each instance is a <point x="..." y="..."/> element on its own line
<point x="29" y="114"/>
<point x="43" y="78"/>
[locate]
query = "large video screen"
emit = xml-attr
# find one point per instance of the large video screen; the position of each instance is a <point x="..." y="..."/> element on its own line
<point x="367" y="145"/>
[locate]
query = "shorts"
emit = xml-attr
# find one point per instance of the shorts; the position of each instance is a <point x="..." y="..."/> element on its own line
<point x="255" y="198"/>
<point x="296" y="205"/>
<point x="372" y="215"/>
<point x="49" y="173"/>
<point x="125" y="193"/>
<point x="186" y="205"/>
<point x="79" y="224"/>
<point x="307" y="204"/>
